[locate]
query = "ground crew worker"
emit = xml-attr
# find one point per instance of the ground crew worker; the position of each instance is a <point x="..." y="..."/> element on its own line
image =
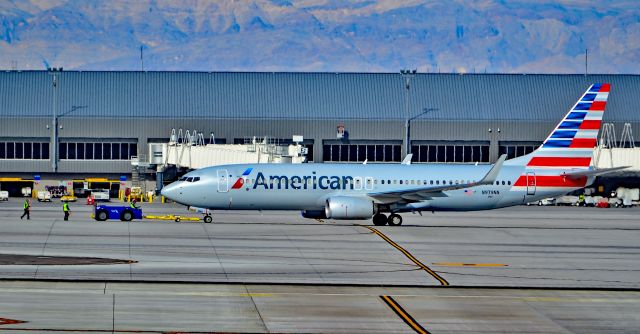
<point x="27" y="209"/>
<point x="581" y="201"/>
<point x="65" y="208"/>
<point x="132" y="204"/>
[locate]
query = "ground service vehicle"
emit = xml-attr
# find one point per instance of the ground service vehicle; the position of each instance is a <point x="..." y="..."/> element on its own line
<point x="68" y="198"/>
<point x="100" y="194"/>
<point x="44" y="196"/>
<point x="124" y="213"/>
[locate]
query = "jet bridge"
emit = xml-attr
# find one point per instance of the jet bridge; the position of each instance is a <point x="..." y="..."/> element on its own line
<point x="190" y="150"/>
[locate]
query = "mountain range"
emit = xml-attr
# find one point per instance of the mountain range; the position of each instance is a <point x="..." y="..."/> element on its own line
<point x="527" y="36"/>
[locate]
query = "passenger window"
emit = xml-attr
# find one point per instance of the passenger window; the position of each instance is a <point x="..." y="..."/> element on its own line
<point x="400" y="181"/>
<point x="382" y="181"/>
<point x="437" y="182"/>
<point x="503" y="183"/>
<point x="430" y="181"/>
<point x="509" y="182"/>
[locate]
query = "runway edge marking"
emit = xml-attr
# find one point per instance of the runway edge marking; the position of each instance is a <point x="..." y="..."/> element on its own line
<point x="409" y="255"/>
<point x="404" y="315"/>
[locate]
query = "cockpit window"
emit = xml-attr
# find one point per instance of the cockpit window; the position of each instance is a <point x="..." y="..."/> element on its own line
<point x="182" y="179"/>
<point x="196" y="179"/>
<point x="189" y="179"/>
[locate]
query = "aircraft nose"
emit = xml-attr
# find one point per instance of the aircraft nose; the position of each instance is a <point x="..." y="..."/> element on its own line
<point x="170" y="191"/>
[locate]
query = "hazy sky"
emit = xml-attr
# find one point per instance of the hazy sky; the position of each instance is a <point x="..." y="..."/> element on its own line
<point x="322" y="35"/>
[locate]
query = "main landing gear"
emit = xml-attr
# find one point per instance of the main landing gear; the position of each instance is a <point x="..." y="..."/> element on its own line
<point x="380" y="219"/>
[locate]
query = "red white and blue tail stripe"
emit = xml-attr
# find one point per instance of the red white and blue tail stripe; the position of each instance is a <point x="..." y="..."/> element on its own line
<point x="571" y="144"/>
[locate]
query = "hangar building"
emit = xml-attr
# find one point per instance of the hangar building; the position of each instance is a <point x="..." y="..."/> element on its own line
<point x="104" y="118"/>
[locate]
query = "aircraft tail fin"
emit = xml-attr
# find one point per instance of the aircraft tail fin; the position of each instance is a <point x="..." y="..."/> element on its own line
<point x="570" y="145"/>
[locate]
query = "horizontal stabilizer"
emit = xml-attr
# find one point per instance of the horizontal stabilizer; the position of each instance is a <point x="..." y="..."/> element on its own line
<point x="594" y="172"/>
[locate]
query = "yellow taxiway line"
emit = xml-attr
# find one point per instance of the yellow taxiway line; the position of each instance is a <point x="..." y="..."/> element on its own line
<point x="408" y="255"/>
<point x="406" y="317"/>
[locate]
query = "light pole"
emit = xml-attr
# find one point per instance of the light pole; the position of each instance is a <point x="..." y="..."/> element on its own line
<point x="408" y="134"/>
<point x="54" y="120"/>
<point x="407" y="75"/>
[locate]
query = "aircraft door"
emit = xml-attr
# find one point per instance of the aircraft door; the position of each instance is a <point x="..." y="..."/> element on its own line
<point x="531" y="183"/>
<point x="223" y="181"/>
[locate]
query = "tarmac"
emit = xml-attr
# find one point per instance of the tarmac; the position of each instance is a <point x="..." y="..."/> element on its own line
<point x="521" y="269"/>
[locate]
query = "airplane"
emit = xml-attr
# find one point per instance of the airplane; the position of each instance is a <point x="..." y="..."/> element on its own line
<point x="369" y="191"/>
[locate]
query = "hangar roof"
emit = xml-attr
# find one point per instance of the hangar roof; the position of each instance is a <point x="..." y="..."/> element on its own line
<point x="338" y="96"/>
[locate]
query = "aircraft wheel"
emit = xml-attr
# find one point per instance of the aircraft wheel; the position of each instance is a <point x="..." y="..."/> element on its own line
<point x="379" y="219"/>
<point x="208" y="219"/>
<point x="394" y="220"/>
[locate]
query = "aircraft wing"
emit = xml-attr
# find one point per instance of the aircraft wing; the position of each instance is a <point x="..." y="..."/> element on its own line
<point x="594" y="172"/>
<point x="424" y="193"/>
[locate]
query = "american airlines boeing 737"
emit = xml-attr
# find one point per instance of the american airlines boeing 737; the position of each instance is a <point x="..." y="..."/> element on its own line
<point x="364" y="191"/>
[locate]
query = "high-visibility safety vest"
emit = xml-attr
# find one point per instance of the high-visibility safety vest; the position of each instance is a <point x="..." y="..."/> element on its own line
<point x="26" y="205"/>
<point x="65" y="207"/>
<point x="132" y="205"/>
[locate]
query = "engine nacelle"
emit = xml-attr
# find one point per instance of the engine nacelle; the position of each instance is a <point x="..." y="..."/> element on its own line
<point x="343" y="207"/>
<point x="313" y="214"/>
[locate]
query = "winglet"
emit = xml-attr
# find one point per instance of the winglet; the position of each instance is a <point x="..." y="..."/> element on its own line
<point x="407" y="159"/>
<point x="492" y="175"/>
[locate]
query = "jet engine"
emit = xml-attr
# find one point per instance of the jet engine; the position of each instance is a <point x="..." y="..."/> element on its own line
<point x="343" y="207"/>
<point x="313" y="214"/>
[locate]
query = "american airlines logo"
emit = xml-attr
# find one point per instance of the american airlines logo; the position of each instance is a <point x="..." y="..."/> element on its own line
<point x="240" y="181"/>
<point x="296" y="182"/>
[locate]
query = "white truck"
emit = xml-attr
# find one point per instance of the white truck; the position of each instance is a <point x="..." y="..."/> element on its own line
<point x="100" y="194"/>
<point x="26" y="192"/>
<point x="4" y="195"/>
<point x="44" y="196"/>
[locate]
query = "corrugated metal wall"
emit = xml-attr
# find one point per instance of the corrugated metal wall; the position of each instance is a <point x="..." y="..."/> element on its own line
<point x="146" y="106"/>
<point x="308" y="95"/>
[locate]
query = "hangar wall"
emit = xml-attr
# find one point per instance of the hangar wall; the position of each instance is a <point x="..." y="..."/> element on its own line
<point x="139" y="107"/>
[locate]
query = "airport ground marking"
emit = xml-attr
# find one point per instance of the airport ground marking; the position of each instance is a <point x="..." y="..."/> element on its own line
<point x="7" y="321"/>
<point x="404" y="315"/>
<point x="408" y="255"/>
<point x="462" y="264"/>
